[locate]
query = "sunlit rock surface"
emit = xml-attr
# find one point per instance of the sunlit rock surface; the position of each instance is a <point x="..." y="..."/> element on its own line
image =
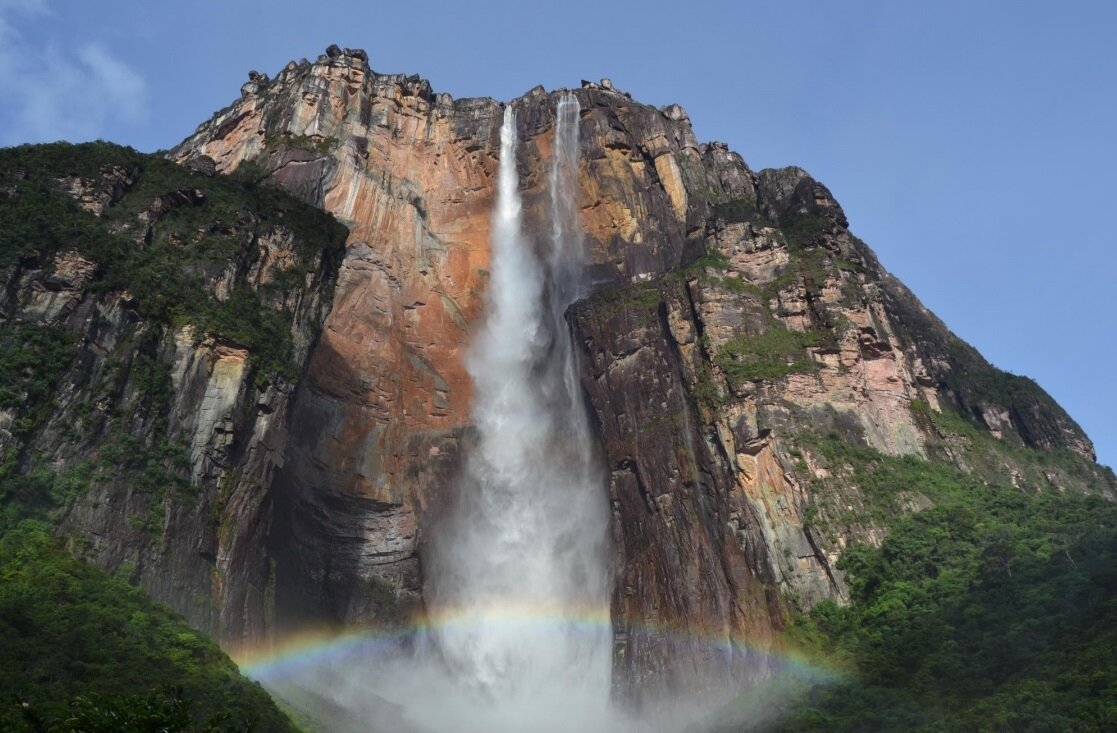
<point x="691" y="255"/>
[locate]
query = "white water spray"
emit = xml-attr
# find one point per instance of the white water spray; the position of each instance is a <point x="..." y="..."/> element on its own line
<point x="523" y="562"/>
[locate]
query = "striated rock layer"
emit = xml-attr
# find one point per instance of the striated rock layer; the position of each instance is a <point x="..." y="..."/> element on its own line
<point x="411" y="173"/>
<point x="733" y="314"/>
<point x="181" y="309"/>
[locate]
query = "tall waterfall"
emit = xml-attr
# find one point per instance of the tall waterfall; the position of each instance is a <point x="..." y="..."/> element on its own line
<point x="518" y="636"/>
<point x="520" y="585"/>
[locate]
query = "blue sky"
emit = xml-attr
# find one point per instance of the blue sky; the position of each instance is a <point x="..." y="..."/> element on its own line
<point x="971" y="143"/>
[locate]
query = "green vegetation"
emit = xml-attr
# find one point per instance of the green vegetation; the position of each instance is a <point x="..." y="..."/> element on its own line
<point x="317" y="144"/>
<point x="995" y="460"/>
<point x="886" y="482"/>
<point x="803" y="230"/>
<point x="641" y="300"/>
<point x="773" y="354"/>
<point x="32" y="360"/>
<point x="779" y="352"/>
<point x="736" y="211"/>
<point x="993" y="610"/>
<point x="157" y="467"/>
<point x="266" y="332"/>
<point x="815" y="266"/>
<point x="36" y="358"/>
<point x="83" y="651"/>
<point x="191" y="241"/>
<point x="40" y="491"/>
<point x="710" y="261"/>
<point x="714" y="268"/>
<point x="976" y="382"/>
<point x="706" y="390"/>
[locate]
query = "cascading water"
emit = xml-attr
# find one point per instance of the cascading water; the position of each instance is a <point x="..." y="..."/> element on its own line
<point x="517" y="584"/>
<point x="523" y="563"/>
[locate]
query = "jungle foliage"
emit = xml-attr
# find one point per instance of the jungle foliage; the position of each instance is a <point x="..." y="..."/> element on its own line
<point x="993" y="610"/>
<point x="84" y="651"/>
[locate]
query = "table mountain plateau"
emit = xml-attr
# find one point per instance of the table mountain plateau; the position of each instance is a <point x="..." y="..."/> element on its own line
<point x="261" y="427"/>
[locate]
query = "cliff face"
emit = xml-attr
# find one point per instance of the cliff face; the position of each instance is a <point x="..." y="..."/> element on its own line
<point x="154" y="326"/>
<point x="735" y="324"/>
<point x="412" y="174"/>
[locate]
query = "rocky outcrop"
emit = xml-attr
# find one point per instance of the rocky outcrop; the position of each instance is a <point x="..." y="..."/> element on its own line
<point x="411" y="173"/>
<point x="100" y="192"/>
<point x="713" y="384"/>
<point x="169" y="391"/>
<point x="734" y="313"/>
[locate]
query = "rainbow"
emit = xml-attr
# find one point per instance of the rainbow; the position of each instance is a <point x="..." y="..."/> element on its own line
<point x="295" y="653"/>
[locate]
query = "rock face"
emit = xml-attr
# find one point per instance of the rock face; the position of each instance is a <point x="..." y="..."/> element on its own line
<point x="711" y="382"/>
<point x="386" y="394"/>
<point x="157" y="409"/>
<point x="412" y="174"/>
<point x="733" y="315"/>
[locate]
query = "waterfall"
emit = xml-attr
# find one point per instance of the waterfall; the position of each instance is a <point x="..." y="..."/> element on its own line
<point x="518" y="635"/>
<point x="521" y="570"/>
<point x="518" y="586"/>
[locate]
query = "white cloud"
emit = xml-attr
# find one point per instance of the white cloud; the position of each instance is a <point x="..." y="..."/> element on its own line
<point x="37" y="6"/>
<point x="122" y="87"/>
<point x="9" y="39"/>
<point x="53" y="90"/>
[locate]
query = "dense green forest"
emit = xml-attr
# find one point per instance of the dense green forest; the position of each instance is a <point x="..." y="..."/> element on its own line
<point x="84" y="651"/>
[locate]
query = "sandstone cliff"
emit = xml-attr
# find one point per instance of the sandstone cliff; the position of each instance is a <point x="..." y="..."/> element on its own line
<point x="154" y="323"/>
<point x="736" y="324"/>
